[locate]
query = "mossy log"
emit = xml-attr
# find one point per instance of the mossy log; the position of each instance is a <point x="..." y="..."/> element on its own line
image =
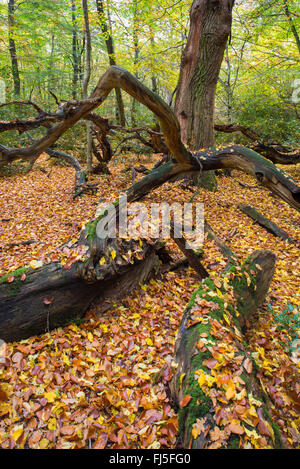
<point x="215" y="389"/>
<point x="36" y="300"/>
<point x="267" y="224"/>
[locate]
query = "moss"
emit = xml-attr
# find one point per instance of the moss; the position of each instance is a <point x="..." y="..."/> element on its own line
<point x="14" y="287"/>
<point x="233" y="442"/>
<point x="16" y="273"/>
<point x="92" y="226"/>
<point x="209" y="181"/>
<point x="198" y="407"/>
<point x="79" y="320"/>
<point x="277" y="433"/>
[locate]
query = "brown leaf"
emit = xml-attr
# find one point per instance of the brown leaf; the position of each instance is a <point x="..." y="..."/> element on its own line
<point x="67" y="430"/>
<point x="236" y="428"/>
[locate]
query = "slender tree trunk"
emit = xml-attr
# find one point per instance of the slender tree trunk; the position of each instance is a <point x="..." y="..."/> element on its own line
<point x="75" y="55"/>
<point x="153" y="77"/>
<point x="111" y="57"/>
<point x="89" y="154"/>
<point x="135" y="57"/>
<point x="12" y="48"/>
<point x="291" y="23"/>
<point x="210" y="26"/>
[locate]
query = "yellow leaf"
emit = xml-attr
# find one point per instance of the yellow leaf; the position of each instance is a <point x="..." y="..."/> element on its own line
<point x="113" y="254"/>
<point x="149" y="342"/>
<point x="230" y="391"/>
<point x="43" y="443"/>
<point x="17" y="433"/>
<point x="35" y="264"/>
<point x="52" y="424"/>
<point x="90" y="337"/>
<point x="181" y="378"/>
<point x="102" y="261"/>
<point x="195" y="431"/>
<point x="50" y="396"/>
<point x="66" y="360"/>
<point x="226" y="319"/>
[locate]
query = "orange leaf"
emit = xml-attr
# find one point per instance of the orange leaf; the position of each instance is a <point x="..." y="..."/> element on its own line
<point x="236" y="428"/>
<point x="185" y="400"/>
<point x="47" y="301"/>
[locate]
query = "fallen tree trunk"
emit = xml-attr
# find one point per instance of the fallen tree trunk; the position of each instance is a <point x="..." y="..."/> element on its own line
<point x="270" y="226"/>
<point x="34" y="301"/>
<point x="219" y="398"/>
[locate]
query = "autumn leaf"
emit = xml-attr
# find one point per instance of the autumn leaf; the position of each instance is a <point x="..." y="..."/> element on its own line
<point x="47" y="300"/>
<point x="185" y="400"/>
<point x="101" y="441"/>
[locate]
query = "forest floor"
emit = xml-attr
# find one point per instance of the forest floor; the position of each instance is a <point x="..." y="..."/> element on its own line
<point x="95" y="384"/>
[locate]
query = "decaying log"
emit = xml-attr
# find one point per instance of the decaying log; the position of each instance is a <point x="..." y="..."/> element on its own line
<point x="269" y="225"/>
<point x="38" y="300"/>
<point x="215" y="388"/>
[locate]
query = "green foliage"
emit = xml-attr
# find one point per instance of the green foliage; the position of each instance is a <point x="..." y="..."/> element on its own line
<point x="289" y="321"/>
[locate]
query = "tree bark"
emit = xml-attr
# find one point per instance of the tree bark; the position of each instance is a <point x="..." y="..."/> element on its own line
<point x="12" y="48"/>
<point x="278" y="154"/>
<point x="215" y="388"/>
<point x="270" y="226"/>
<point x="75" y="54"/>
<point x="111" y="57"/>
<point x="291" y="23"/>
<point x="55" y="294"/>
<point x="210" y="26"/>
<point x="89" y="151"/>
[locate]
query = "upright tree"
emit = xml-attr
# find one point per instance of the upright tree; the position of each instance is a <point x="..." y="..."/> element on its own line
<point x="87" y="79"/>
<point x="12" y="48"/>
<point x="210" y="27"/>
<point x="75" y="52"/>
<point x="111" y="56"/>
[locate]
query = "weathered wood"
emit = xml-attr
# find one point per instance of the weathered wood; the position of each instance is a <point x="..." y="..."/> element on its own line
<point x="191" y="256"/>
<point x="53" y="296"/>
<point x="269" y="225"/>
<point x="215" y="372"/>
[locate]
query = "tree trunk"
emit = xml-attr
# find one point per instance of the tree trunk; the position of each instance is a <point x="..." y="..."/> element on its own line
<point x="12" y="48"/>
<point x="55" y="295"/>
<point x="210" y="26"/>
<point x="291" y="23"/>
<point x="89" y="152"/>
<point x="75" y="54"/>
<point x="270" y="226"/>
<point x="111" y="57"/>
<point x="135" y="58"/>
<point x="221" y="403"/>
